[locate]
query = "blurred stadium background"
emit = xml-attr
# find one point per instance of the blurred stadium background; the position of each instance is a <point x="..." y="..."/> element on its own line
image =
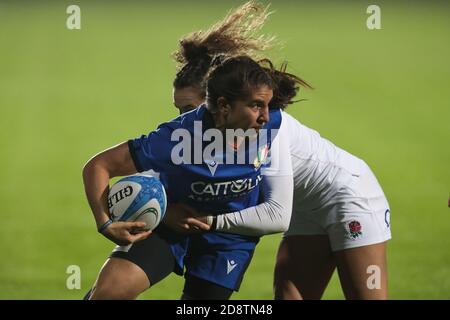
<point x="66" y="94"/>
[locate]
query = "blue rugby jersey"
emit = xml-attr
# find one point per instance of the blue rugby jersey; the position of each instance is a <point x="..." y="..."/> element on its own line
<point x="226" y="188"/>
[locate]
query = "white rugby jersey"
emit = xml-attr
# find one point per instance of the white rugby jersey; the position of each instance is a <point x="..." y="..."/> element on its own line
<point x="319" y="167"/>
<point x="319" y="170"/>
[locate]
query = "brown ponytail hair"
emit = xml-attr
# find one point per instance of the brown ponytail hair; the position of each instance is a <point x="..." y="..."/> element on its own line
<point x="286" y="85"/>
<point x="235" y="35"/>
<point x="235" y="77"/>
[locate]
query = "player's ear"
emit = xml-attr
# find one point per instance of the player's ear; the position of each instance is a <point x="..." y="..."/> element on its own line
<point x="222" y="105"/>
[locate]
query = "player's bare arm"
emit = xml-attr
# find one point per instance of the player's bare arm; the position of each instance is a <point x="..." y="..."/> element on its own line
<point x="97" y="172"/>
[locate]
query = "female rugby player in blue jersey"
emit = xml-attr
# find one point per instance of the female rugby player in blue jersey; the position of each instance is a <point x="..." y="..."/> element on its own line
<point x="239" y="91"/>
<point x="340" y="218"/>
<point x="134" y="268"/>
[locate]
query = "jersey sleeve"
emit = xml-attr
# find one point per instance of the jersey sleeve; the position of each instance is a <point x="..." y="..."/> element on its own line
<point x="271" y="216"/>
<point x="279" y="161"/>
<point x="151" y="152"/>
<point x="274" y="213"/>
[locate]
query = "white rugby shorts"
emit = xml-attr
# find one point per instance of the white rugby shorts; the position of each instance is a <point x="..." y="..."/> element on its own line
<point x="357" y="215"/>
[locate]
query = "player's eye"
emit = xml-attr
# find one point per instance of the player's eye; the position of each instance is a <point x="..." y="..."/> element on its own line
<point x="255" y="105"/>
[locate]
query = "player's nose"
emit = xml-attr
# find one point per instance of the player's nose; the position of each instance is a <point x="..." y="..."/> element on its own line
<point x="263" y="115"/>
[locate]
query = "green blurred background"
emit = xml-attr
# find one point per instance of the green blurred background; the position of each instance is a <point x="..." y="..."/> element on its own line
<point x="66" y="94"/>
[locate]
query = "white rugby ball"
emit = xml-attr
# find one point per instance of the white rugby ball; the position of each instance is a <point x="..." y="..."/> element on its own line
<point x="138" y="197"/>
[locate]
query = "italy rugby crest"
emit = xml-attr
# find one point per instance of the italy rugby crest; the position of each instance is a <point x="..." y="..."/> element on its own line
<point x="261" y="157"/>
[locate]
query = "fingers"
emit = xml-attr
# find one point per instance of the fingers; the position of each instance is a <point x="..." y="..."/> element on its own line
<point x="126" y="233"/>
<point x="134" y="225"/>
<point x="140" y="236"/>
<point x="194" y="223"/>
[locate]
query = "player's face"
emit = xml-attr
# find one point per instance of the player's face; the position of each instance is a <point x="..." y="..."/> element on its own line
<point x="186" y="99"/>
<point x="251" y="113"/>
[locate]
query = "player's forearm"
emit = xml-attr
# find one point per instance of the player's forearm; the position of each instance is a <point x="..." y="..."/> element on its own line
<point x="96" y="185"/>
<point x="255" y="221"/>
<point x="113" y="162"/>
<point x="271" y="216"/>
